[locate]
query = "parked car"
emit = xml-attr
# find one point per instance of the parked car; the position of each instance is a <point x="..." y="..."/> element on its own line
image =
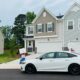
<point x="53" y="61"/>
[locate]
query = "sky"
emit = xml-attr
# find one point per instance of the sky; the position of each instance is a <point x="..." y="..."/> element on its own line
<point x="9" y="9"/>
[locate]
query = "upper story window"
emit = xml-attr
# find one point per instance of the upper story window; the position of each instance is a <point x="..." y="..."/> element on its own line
<point x="30" y="30"/>
<point x="39" y="28"/>
<point x="50" y="27"/>
<point x="70" y="24"/>
<point x="79" y="24"/>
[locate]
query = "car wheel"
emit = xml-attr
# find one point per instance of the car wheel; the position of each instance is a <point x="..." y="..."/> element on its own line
<point x="30" y="69"/>
<point x="74" y="69"/>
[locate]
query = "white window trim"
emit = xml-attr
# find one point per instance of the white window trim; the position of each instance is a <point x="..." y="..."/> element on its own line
<point x="67" y="25"/>
<point x="47" y="27"/>
<point x="37" y="27"/>
<point x="28" y="30"/>
<point x="78" y="24"/>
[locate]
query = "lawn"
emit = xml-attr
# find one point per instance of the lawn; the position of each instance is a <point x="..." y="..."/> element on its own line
<point x="8" y="56"/>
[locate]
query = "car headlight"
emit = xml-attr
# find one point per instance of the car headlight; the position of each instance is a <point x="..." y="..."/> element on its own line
<point x="22" y="62"/>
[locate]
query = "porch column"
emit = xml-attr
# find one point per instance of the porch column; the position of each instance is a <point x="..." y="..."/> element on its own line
<point x="25" y="44"/>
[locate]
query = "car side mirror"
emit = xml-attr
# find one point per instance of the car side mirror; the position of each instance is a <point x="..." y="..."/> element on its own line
<point x="41" y="58"/>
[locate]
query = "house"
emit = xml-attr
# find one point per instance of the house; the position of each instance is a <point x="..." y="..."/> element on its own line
<point x="1" y="43"/>
<point x="50" y="33"/>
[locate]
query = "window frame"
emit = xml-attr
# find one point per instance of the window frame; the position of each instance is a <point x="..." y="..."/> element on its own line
<point x="61" y="57"/>
<point x="69" y="55"/>
<point x="68" y="24"/>
<point x="48" y="26"/>
<point x="29" y="31"/>
<point x="39" y="25"/>
<point x="48" y="57"/>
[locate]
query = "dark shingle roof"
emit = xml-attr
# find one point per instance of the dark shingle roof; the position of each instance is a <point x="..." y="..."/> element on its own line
<point x="60" y="16"/>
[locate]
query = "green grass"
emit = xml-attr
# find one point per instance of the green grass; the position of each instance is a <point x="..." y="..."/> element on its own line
<point x="8" y="56"/>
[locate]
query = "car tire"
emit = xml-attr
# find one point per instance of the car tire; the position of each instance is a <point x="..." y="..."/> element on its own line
<point x="74" y="69"/>
<point x="30" y="68"/>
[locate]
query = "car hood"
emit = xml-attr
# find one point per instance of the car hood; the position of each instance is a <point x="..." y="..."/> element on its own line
<point x="33" y="56"/>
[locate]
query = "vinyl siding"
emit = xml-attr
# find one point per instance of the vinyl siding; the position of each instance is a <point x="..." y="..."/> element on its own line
<point x="72" y="35"/>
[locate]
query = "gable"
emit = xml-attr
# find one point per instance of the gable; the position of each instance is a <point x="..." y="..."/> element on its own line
<point x="44" y="16"/>
<point x="74" y="8"/>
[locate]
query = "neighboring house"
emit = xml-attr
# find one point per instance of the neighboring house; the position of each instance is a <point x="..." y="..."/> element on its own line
<point x="49" y="32"/>
<point x="1" y="43"/>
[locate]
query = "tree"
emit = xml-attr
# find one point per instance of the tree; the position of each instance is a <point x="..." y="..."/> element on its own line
<point x="6" y="30"/>
<point x="30" y="16"/>
<point x="19" y="29"/>
<point x="20" y="19"/>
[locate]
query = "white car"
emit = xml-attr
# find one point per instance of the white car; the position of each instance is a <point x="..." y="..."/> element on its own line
<point x="53" y="61"/>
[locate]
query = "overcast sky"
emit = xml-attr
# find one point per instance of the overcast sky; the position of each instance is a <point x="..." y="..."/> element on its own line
<point x="9" y="9"/>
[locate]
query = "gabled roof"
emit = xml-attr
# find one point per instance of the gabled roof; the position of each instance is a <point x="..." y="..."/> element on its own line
<point x="41" y="13"/>
<point x="75" y="4"/>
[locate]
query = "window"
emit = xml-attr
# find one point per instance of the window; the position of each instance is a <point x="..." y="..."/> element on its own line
<point x="40" y="28"/>
<point x="71" y="55"/>
<point x="29" y="43"/>
<point x="48" y="55"/>
<point x="50" y="27"/>
<point x="61" y="55"/>
<point x="79" y="24"/>
<point x="30" y="30"/>
<point x="70" y="25"/>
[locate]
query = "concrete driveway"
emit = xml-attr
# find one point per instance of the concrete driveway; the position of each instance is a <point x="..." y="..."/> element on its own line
<point x="14" y="64"/>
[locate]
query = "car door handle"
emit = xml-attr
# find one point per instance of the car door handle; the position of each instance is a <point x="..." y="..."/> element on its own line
<point x="66" y="60"/>
<point x="51" y="60"/>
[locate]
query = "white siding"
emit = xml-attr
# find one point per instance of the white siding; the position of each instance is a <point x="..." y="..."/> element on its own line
<point x="46" y="44"/>
<point x="75" y="46"/>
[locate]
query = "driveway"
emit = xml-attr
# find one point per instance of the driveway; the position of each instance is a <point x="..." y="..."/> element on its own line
<point x="14" y="64"/>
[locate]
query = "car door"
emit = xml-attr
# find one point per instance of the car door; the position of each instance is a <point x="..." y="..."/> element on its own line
<point x="62" y="61"/>
<point x="46" y="62"/>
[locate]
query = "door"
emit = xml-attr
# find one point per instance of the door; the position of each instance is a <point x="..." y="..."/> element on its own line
<point x="62" y="60"/>
<point x="46" y="62"/>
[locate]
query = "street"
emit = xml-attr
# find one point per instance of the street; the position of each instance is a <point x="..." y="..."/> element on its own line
<point x="15" y="74"/>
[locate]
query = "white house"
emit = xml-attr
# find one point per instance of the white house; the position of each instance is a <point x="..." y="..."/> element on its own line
<point x="50" y="33"/>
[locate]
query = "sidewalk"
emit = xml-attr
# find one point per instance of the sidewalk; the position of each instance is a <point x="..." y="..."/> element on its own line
<point x="14" y="64"/>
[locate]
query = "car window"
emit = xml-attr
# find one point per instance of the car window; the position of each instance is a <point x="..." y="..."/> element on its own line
<point x="48" y="55"/>
<point x="61" y="55"/>
<point x="72" y="55"/>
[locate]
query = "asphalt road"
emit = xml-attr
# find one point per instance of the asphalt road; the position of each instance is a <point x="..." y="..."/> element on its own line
<point x="17" y="75"/>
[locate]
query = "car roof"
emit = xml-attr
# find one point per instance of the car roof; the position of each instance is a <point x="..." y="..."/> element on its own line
<point x="60" y="51"/>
